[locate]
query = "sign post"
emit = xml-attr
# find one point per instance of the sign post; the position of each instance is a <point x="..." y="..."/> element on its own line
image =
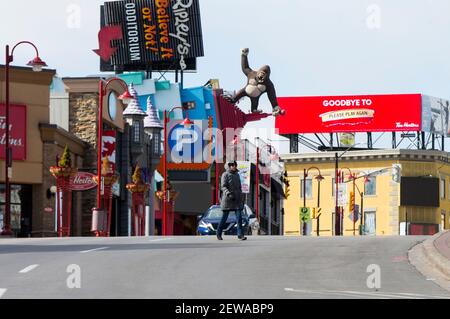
<point x="244" y="169"/>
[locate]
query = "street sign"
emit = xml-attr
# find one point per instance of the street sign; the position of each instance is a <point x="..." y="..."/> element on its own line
<point x="83" y="181"/>
<point x="342" y="198"/>
<point x="245" y="169"/>
<point x="354" y="218"/>
<point x="305" y="214"/>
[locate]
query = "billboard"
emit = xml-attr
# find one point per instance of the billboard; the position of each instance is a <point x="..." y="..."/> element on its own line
<point x="435" y="115"/>
<point x="17" y="131"/>
<point x="150" y="35"/>
<point x="419" y="191"/>
<point x="350" y="114"/>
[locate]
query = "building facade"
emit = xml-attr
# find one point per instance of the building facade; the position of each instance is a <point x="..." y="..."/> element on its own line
<point x="36" y="144"/>
<point x="418" y="203"/>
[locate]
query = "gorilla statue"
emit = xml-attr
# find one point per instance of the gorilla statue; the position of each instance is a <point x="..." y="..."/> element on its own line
<point x="258" y="83"/>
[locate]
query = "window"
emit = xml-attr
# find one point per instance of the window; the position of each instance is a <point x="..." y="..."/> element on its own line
<point x="156" y="144"/>
<point x="309" y="190"/>
<point x="137" y="132"/>
<point x="370" y="222"/>
<point x="371" y="186"/>
<point x="442" y="188"/>
<point x="449" y="192"/>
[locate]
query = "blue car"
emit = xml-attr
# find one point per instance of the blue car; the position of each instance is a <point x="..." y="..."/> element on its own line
<point x="209" y="222"/>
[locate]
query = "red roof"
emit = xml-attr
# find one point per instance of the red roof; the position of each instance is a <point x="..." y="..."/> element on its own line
<point x="230" y="116"/>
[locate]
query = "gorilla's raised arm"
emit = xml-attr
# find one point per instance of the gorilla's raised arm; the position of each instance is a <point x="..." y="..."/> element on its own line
<point x="245" y="66"/>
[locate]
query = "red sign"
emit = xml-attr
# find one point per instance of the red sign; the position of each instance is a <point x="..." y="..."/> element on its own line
<point x="17" y="131"/>
<point x="83" y="182"/>
<point x="339" y="114"/>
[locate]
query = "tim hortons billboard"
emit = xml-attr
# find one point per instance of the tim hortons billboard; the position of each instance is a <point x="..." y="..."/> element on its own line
<point x="344" y="114"/>
<point x="150" y="35"/>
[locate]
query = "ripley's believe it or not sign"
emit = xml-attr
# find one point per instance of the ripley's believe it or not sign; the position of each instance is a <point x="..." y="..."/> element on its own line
<point x="150" y="35"/>
<point x="366" y="113"/>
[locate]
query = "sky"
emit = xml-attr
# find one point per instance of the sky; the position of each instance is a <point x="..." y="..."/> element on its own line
<point x="314" y="47"/>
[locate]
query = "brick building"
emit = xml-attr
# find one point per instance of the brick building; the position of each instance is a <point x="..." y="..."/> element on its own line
<point x="37" y="143"/>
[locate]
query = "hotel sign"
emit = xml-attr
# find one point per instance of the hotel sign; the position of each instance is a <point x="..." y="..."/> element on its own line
<point x="17" y="131"/>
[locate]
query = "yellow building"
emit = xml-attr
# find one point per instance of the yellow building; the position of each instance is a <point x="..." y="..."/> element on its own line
<point x="420" y="199"/>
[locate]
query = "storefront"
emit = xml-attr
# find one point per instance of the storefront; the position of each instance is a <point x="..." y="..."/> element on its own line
<point x="36" y="144"/>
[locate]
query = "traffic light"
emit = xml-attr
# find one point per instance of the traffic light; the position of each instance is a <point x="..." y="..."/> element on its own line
<point x="351" y="206"/>
<point x="397" y="173"/>
<point x="314" y="212"/>
<point x="287" y="184"/>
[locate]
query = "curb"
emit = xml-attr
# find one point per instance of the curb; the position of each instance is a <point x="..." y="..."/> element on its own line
<point x="440" y="262"/>
<point x="428" y="261"/>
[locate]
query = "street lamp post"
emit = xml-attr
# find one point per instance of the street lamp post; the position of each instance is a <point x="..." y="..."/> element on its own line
<point x="187" y="123"/>
<point x="337" y="181"/>
<point x="37" y="64"/>
<point x="352" y="177"/>
<point x="319" y="179"/>
<point x="125" y="98"/>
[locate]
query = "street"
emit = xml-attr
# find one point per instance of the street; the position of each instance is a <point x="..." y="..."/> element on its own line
<point x="203" y="268"/>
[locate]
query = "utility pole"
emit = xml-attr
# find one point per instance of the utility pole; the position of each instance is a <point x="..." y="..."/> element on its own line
<point x="336" y="209"/>
<point x="305" y="175"/>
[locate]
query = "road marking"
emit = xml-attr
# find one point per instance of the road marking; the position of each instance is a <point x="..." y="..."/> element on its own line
<point x="157" y="240"/>
<point x="28" y="269"/>
<point x="388" y="295"/>
<point x="326" y="292"/>
<point x="426" y="296"/>
<point x="92" y="250"/>
<point x="399" y="259"/>
<point x="2" y="292"/>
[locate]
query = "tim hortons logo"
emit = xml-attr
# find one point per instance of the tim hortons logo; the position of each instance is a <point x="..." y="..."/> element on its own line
<point x="83" y="182"/>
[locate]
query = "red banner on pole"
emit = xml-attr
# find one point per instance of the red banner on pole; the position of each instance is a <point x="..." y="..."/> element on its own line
<point x="18" y="131"/>
<point x="109" y="147"/>
<point x="340" y="114"/>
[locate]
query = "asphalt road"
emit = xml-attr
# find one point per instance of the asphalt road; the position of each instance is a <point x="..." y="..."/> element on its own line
<point x="203" y="268"/>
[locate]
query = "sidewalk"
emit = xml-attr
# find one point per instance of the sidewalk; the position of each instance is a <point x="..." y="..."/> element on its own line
<point x="442" y="244"/>
<point x="432" y="259"/>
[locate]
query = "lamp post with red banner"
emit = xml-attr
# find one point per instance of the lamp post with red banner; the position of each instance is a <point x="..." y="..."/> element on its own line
<point x="126" y="98"/>
<point x="37" y="64"/>
<point x="187" y="123"/>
